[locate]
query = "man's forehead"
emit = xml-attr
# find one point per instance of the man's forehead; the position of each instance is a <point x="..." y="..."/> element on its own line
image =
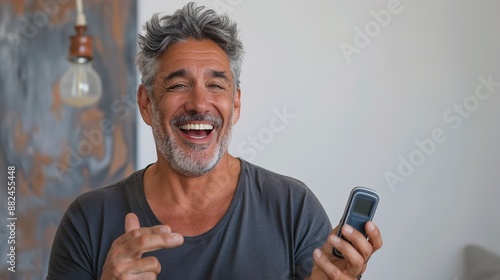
<point x="208" y="73"/>
<point x="195" y="48"/>
<point x="190" y="57"/>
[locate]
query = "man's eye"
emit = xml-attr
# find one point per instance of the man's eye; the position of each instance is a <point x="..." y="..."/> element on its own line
<point x="176" y="86"/>
<point x="216" y="86"/>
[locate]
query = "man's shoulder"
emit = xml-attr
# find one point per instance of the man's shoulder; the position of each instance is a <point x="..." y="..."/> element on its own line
<point x="272" y="192"/>
<point x="114" y="188"/>
<point x="271" y="180"/>
<point x="111" y="194"/>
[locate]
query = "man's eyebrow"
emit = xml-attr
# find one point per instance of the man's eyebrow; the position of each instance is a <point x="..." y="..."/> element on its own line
<point x="218" y="74"/>
<point x="178" y="73"/>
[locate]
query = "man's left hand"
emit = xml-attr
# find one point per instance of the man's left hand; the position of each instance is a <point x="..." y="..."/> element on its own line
<point x="356" y="254"/>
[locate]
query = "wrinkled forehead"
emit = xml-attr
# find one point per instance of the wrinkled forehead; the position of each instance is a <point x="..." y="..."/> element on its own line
<point x="195" y="49"/>
<point x="190" y="56"/>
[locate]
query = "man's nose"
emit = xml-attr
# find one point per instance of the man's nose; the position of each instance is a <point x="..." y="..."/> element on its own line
<point x="198" y="100"/>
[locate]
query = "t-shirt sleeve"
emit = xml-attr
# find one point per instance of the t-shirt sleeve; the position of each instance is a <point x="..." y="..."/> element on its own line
<point x="313" y="227"/>
<point x="70" y="256"/>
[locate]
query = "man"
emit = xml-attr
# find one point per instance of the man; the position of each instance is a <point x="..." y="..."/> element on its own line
<point x="198" y="212"/>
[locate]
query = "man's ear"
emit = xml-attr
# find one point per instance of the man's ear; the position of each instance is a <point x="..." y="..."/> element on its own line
<point x="144" y="103"/>
<point x="237" y="106"/>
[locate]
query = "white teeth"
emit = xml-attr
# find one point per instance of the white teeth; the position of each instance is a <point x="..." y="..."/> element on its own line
<point x="201" y="126"/>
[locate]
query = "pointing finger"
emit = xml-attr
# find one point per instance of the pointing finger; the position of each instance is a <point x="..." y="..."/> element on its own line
<point x="131" y="222"/>
<point x="148" y="242"/>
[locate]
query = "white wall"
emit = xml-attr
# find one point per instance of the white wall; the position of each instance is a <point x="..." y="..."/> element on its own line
<point x="353" y="120"/>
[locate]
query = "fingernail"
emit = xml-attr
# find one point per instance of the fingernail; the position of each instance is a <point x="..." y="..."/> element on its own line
<point x="317" y="253"/>
<point x="335" y="239"/>
<point x="177" y="237"/>
<point x="348" y="229"/>
<point x="371" y="226"/>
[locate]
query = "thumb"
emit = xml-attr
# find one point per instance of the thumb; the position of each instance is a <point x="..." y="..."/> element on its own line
<point x="131" y="222"/>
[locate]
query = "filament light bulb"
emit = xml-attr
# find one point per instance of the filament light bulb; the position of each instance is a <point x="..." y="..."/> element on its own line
<point x="80" y="86"/>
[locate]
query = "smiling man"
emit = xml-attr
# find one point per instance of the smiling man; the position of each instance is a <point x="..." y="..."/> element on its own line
<point x="194" y="90"/>
<point x="198" y="212"/>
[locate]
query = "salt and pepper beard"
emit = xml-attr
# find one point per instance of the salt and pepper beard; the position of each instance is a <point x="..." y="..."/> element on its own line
<point x="194" y="163"/>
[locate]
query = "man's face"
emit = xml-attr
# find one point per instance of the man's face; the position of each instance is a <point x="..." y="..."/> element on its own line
<point x="194" y="106"/>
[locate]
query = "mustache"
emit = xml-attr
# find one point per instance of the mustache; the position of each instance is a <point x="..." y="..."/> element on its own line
<point x="212" y="119"/>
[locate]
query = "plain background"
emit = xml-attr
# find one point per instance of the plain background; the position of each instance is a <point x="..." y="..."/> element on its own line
<point x="354" y="118"/>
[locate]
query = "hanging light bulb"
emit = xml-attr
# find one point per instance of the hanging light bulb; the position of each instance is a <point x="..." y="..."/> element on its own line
<point x="80" y="86"/>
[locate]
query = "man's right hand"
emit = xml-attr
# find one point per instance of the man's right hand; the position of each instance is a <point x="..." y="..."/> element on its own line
<point x="124" y="260"/>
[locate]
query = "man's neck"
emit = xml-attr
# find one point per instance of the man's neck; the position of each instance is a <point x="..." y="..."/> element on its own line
<point x="191" y="205"/>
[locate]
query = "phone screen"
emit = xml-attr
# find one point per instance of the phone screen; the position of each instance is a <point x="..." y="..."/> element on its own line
<point x="362" y="206"/>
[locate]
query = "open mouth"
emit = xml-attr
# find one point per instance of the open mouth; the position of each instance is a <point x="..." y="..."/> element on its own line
<point x="196" y="131"/>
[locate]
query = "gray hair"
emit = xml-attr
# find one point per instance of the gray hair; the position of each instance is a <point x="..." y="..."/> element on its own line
<point x="193" y="22"/>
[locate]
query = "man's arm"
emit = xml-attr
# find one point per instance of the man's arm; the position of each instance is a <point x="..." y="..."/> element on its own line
<point x="72" y="257"/>
<point x="69" y="257"/>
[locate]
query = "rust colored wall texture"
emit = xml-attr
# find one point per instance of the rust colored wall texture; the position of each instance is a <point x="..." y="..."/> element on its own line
<point x="58" y="151"/>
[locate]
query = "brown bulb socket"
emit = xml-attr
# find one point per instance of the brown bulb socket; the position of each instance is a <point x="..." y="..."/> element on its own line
<point x="81" y="44"/>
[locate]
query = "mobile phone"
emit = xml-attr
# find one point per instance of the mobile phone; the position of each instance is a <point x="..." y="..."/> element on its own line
<point x="360" y="209"/>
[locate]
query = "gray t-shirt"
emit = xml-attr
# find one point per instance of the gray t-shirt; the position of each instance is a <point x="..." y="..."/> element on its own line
<point x="269" y="231"/>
